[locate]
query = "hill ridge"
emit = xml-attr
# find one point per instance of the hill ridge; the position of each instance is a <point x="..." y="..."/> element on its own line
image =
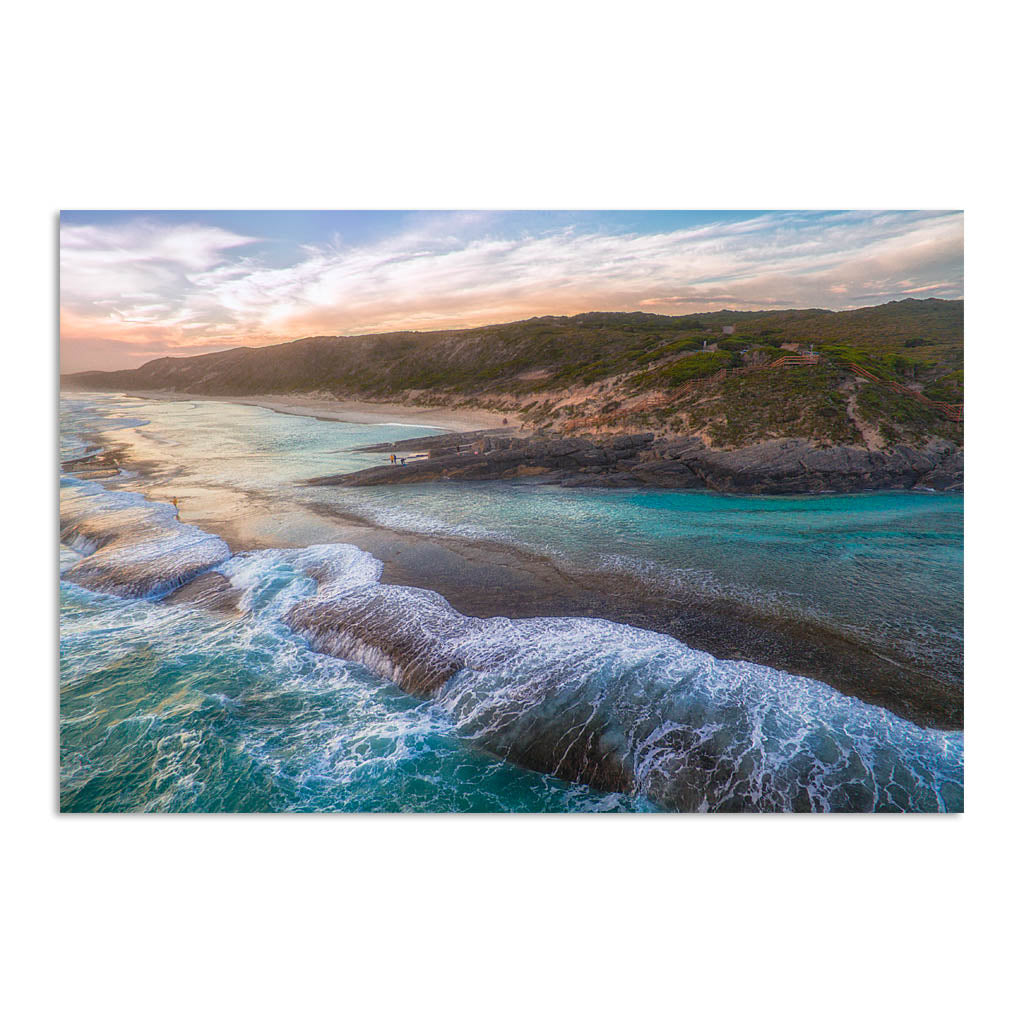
<point x="628" y="367"/>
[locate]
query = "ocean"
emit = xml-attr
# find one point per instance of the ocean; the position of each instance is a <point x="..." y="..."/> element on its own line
<point x="286" y="695"/>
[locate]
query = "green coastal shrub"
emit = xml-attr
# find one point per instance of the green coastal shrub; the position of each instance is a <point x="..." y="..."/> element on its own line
<point x="700" y="364"/>
<point x="801" y="401"/>
<point x="949" y="388"/>
<point x="900" y="417"/>
<point x="766" y="353"/>
<point x="733" y="344"/>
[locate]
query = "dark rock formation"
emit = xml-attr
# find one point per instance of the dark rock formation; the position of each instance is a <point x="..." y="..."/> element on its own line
<point x="405" y="634"/>
<point x="785" y="466"/>
<point x="133" y="548"/>
<point x="620" y="708"/>
<point x="210" y="590"/>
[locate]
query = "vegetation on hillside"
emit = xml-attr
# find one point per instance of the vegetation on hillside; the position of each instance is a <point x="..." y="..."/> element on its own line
<point x="900" y="418"/>
<point x="604" y="371"/>
<point x="948" y="388"/>
<point x="688" y="367"/>
<point x="803" y="401"/>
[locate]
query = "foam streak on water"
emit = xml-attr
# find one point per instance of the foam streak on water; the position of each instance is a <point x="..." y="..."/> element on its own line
<point x="626" y="708"/>
<point x="133" y="547"/>
<point x="304" y="683"/>
<point x="585" y="700"/>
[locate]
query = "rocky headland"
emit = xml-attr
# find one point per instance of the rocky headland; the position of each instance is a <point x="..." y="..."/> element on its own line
<point x="760" y="402"/>
<point x="782" y="466"/>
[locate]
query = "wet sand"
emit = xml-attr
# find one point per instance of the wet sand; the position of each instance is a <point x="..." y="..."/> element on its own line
<point x="352" y="411"/>
<point x="488" y="578"/>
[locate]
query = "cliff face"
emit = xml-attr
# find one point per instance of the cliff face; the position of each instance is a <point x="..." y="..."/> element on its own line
<point x="606" y="374"/>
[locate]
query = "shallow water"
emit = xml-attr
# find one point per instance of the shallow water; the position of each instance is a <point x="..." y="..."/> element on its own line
<point x="170" y="708"/>
<point x="174" y="707"/>
<point x="887" y="567"/>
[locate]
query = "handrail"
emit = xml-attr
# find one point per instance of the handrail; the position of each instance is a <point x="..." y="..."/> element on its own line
<point x="950" y="410"/>
<point x="795" y="359"/>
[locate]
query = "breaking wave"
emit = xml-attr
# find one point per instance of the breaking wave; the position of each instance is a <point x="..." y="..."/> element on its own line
<point x="132" y="547"/>
<point x="589" y="701"/>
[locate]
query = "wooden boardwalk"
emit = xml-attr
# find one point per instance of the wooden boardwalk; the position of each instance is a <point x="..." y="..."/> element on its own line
<point x="793" y="359"/>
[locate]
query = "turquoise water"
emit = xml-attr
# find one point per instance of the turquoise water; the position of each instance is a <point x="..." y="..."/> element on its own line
<point x="177" y="708"/>
<point x="168" y="708"/>
<point x="888" y="567"/>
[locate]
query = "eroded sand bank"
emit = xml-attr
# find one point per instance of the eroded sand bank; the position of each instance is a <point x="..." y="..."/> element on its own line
<point x="486" y="578"/>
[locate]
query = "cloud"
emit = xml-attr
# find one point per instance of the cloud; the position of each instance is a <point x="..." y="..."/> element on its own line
<point x="165" y="289"/>
<point x="131" y="270"/>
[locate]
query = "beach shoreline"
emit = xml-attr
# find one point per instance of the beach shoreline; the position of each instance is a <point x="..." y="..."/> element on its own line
<point x="485" y="578"/>
<point x="351" y="410"/>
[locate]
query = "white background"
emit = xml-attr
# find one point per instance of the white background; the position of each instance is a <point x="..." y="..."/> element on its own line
<point x="527" y="105"/>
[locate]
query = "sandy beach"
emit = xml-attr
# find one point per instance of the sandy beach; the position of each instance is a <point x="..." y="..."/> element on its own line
<point x="350" y="411"/>
<point x="487" y="577"/>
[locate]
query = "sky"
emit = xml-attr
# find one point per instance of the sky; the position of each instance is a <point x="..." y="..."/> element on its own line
<point x="138" y="285"/>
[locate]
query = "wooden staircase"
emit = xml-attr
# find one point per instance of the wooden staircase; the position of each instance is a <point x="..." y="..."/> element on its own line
<point x="950" y="411"/>
<point x="791" y="359"/>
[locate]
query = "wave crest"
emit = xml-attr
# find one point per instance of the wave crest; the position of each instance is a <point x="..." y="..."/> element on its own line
<point x="587" y="700"/>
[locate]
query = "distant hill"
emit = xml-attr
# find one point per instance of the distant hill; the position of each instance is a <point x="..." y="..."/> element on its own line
<point x="601" y="372"/>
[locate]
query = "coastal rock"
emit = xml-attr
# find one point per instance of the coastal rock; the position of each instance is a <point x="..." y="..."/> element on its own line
<point x="133" y="548"/>
<point x="377" y="627"/>
<point x="781" y="466"/>
<point x="797" y="467"/>
<point x="948" y="475"/>
<point x="620" y="708"/>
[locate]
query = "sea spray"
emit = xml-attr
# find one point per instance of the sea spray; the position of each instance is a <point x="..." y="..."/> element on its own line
<point x="623" y="708"/>
<point x="132" y="547"/>
<point x="587" y="700"/>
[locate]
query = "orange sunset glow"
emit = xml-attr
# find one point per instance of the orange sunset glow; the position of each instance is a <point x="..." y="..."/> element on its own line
<point x="138" y="286"/>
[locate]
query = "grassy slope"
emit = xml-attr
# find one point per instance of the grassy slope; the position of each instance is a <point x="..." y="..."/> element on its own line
<point x="623" y="367"/>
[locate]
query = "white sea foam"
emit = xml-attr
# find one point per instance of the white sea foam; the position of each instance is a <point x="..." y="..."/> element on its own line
<point x="615" y="705"/>
<point x="132" y="546"/>
<point x="585" y="699"/>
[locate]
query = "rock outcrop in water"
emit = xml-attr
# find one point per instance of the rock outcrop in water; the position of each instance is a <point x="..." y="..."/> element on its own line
<point x="587" y="700"/>
<point x="133" y="547"/>
<point x="639" y="460"/>
<point x="621" y="708"/>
